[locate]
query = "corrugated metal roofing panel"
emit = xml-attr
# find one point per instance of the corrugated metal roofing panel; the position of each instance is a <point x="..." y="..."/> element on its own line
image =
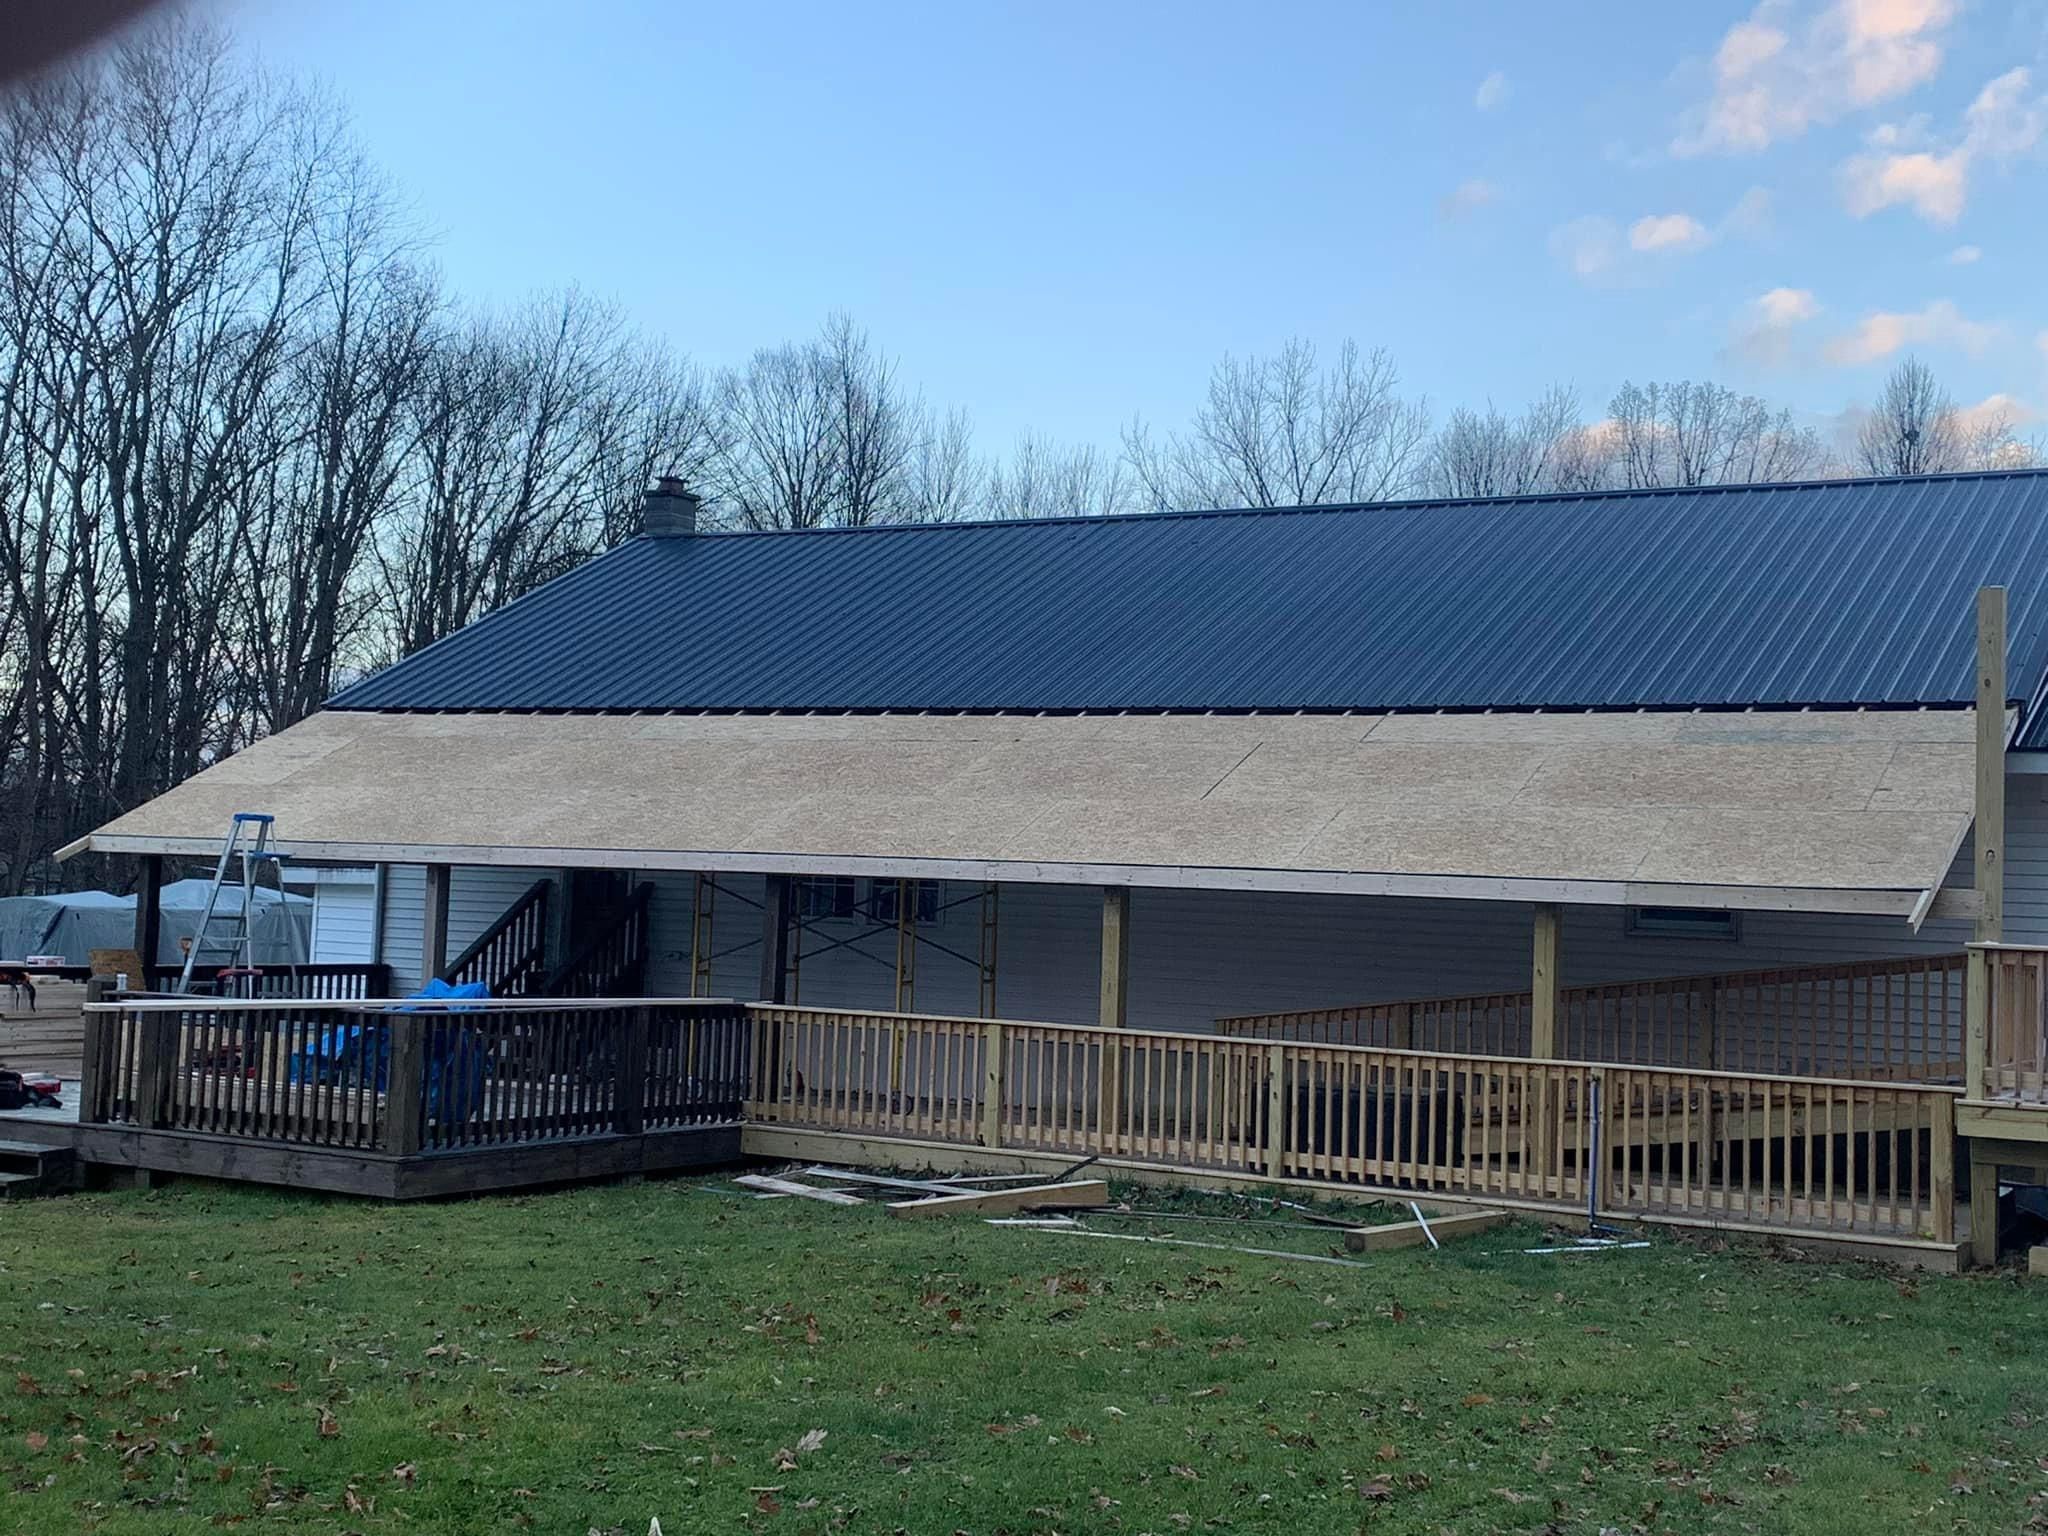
<point x="1848" y="592"/>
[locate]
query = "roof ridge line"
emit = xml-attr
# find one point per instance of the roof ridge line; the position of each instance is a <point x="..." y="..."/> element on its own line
<point x="1402" y="504"/>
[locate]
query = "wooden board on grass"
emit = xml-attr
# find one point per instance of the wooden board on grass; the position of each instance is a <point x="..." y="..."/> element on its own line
<point x="1079" y="1194"/>
<point x="1409" y="1234"/>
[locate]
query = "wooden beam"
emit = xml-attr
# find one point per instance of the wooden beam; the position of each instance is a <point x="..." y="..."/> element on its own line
<point x="1409" y="1234"/>
<point x="775" y="910"/>
<point x="1990" y="818"/>
<point x="1116" y="955"/>
<point x="434" y="920"/>
<point x="1077" y="1195"/>
<point x="1545" y="983"/>
<point x="149" y="914"/>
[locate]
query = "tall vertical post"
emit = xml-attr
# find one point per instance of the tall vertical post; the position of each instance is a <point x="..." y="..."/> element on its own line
<point x="775" y="909"/>
<point x="990" y="899"/>
<point x="1116" y="955"/>
<point x="1990" y="822"/>
<point x="149" y="915"/>
<point x="434" y="920"/>
<point x="701" y="932"/>
<point x="1544" y="986"/>
<point x="906" y="945"/>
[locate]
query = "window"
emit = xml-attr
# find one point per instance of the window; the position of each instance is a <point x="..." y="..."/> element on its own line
<point x="1683" y="923"/>
<point x="823" y="896"/>
<point x="882" y="901"/>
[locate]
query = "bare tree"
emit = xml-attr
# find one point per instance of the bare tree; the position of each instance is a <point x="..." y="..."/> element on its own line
<point x="1706" y="434"/>
<point x="1489" y="454"/>
<point x="1285" y="430"/>
<point x="1916" y="428"/>
<point x="1042" y="479"/>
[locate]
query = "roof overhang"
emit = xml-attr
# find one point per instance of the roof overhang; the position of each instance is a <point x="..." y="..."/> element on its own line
<point x="1835" y="811"/>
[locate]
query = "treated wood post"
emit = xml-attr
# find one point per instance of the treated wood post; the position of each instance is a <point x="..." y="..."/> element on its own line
<point x="1983" y="1206"/>
<point x="629" y="1082"/>
<point x="1276" y="1110"/>
<point x="406" y="1087"/>
<point x="775" y="908"/>
<point x="155" y="1059"/>
<point x="1976" y="1024"/>
<point x="1990" y="808"/>
<point x="1543" y="982"/>
<point x="1116" y="955"/>
<point x="434" y="921"/>
<point x="1709" y="1049"/>
<point x="1941" y="1172"/>
<point x="1403" y="1031"/>
<point x="91" y="1063"/>
<point x="149" y="916"/>
<point x="991" y="1084"/>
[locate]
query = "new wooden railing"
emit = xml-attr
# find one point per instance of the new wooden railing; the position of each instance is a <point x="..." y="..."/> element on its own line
<point x="510" y="957"/>
<point x="2009" y="1041"/>
<point x="1881" y="1020"/>
<point x="1812" y="1154"/>
<point x="323" y="979"/>
<point x="405" y="1076"/>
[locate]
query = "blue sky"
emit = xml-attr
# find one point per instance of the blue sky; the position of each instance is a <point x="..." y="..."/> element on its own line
<point x="1056" y="215"/>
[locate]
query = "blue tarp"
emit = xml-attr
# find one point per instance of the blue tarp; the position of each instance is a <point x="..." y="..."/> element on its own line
<point x="457" y="1056"/>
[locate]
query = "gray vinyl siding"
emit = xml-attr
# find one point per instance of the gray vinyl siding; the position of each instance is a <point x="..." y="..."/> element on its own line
<point x="477" y="897"/>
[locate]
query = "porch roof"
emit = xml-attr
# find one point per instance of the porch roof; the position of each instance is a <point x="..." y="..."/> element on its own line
<point x="1843" y="811"/>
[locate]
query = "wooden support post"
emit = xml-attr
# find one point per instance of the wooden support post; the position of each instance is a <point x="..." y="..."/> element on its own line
<point x="906" y="946"/>
<point x="1544" y="990"/>
<point x="629" y="1082"/>
<point x="1544" y="987"/>
<point x="1116" y="955"/>
<point x="991" y="1085"/>
<point x="434" y="921"/>
<point x="1990" y="818"/>
<point x="703" y="895"/>
<point x="149" y="915"/>
<point x="990" y="910"/>
<point x="1276" y="1110"/>
<point x="1983" y="1206"/>
<point x="775" y="910"/>
<point x="1941" y="1170"/>
<point x="155" y="1064"/>
<point x="406" y="1095"/>
<point x="1708" y="1049"/>
<point x="1976" y="1024"/>
<point x="1401" y="1032"/>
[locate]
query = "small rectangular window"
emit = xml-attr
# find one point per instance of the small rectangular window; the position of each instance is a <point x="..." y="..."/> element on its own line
<point x="1683" y="923"/>
<point x="882" y="904"/>
<point x="824" y="896"/>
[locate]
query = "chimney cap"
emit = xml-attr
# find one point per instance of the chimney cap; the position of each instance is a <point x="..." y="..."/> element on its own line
<point x="668" y="509"/>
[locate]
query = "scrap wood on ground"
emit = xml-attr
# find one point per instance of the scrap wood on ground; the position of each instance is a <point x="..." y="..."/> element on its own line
<point x="1015" y="1201"/>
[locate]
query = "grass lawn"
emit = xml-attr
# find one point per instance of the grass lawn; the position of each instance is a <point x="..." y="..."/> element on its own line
<point x="202" y="1357"/>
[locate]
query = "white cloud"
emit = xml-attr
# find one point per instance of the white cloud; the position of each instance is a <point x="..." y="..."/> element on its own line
<point x="1468" y="197"/>
<point x="2006" y="120"/>
<point x="1768" y="332"/>
<point x="1588" y="247"/>
<point x="1667" y="232"/>
<point x="1965" y="255"/>
<point x="1774" y="79"/>
<point x="1751" y="214"/>
<point x="1883" y="332"/>
<point x="1492" y="92"/>
<point x="1995" y="411"/>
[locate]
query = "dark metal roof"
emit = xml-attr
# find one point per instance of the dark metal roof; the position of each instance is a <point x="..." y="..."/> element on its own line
<point x="1844" y="592"/>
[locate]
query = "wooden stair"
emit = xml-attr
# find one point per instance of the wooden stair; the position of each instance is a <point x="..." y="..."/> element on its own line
<point x="27" y="1168"/>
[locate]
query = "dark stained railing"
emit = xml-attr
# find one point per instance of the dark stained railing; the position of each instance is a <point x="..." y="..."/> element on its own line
<point x="509" y="957"/>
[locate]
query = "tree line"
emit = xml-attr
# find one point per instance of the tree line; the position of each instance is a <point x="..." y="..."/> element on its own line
<point x="251" y="445"/>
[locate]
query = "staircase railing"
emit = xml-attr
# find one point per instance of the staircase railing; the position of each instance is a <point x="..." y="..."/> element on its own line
<point x="510" y="957"/>
<point x="613" y="961"/>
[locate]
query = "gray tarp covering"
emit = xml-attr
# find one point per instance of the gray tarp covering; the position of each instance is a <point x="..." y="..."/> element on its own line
<point x="74" y="923"/>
